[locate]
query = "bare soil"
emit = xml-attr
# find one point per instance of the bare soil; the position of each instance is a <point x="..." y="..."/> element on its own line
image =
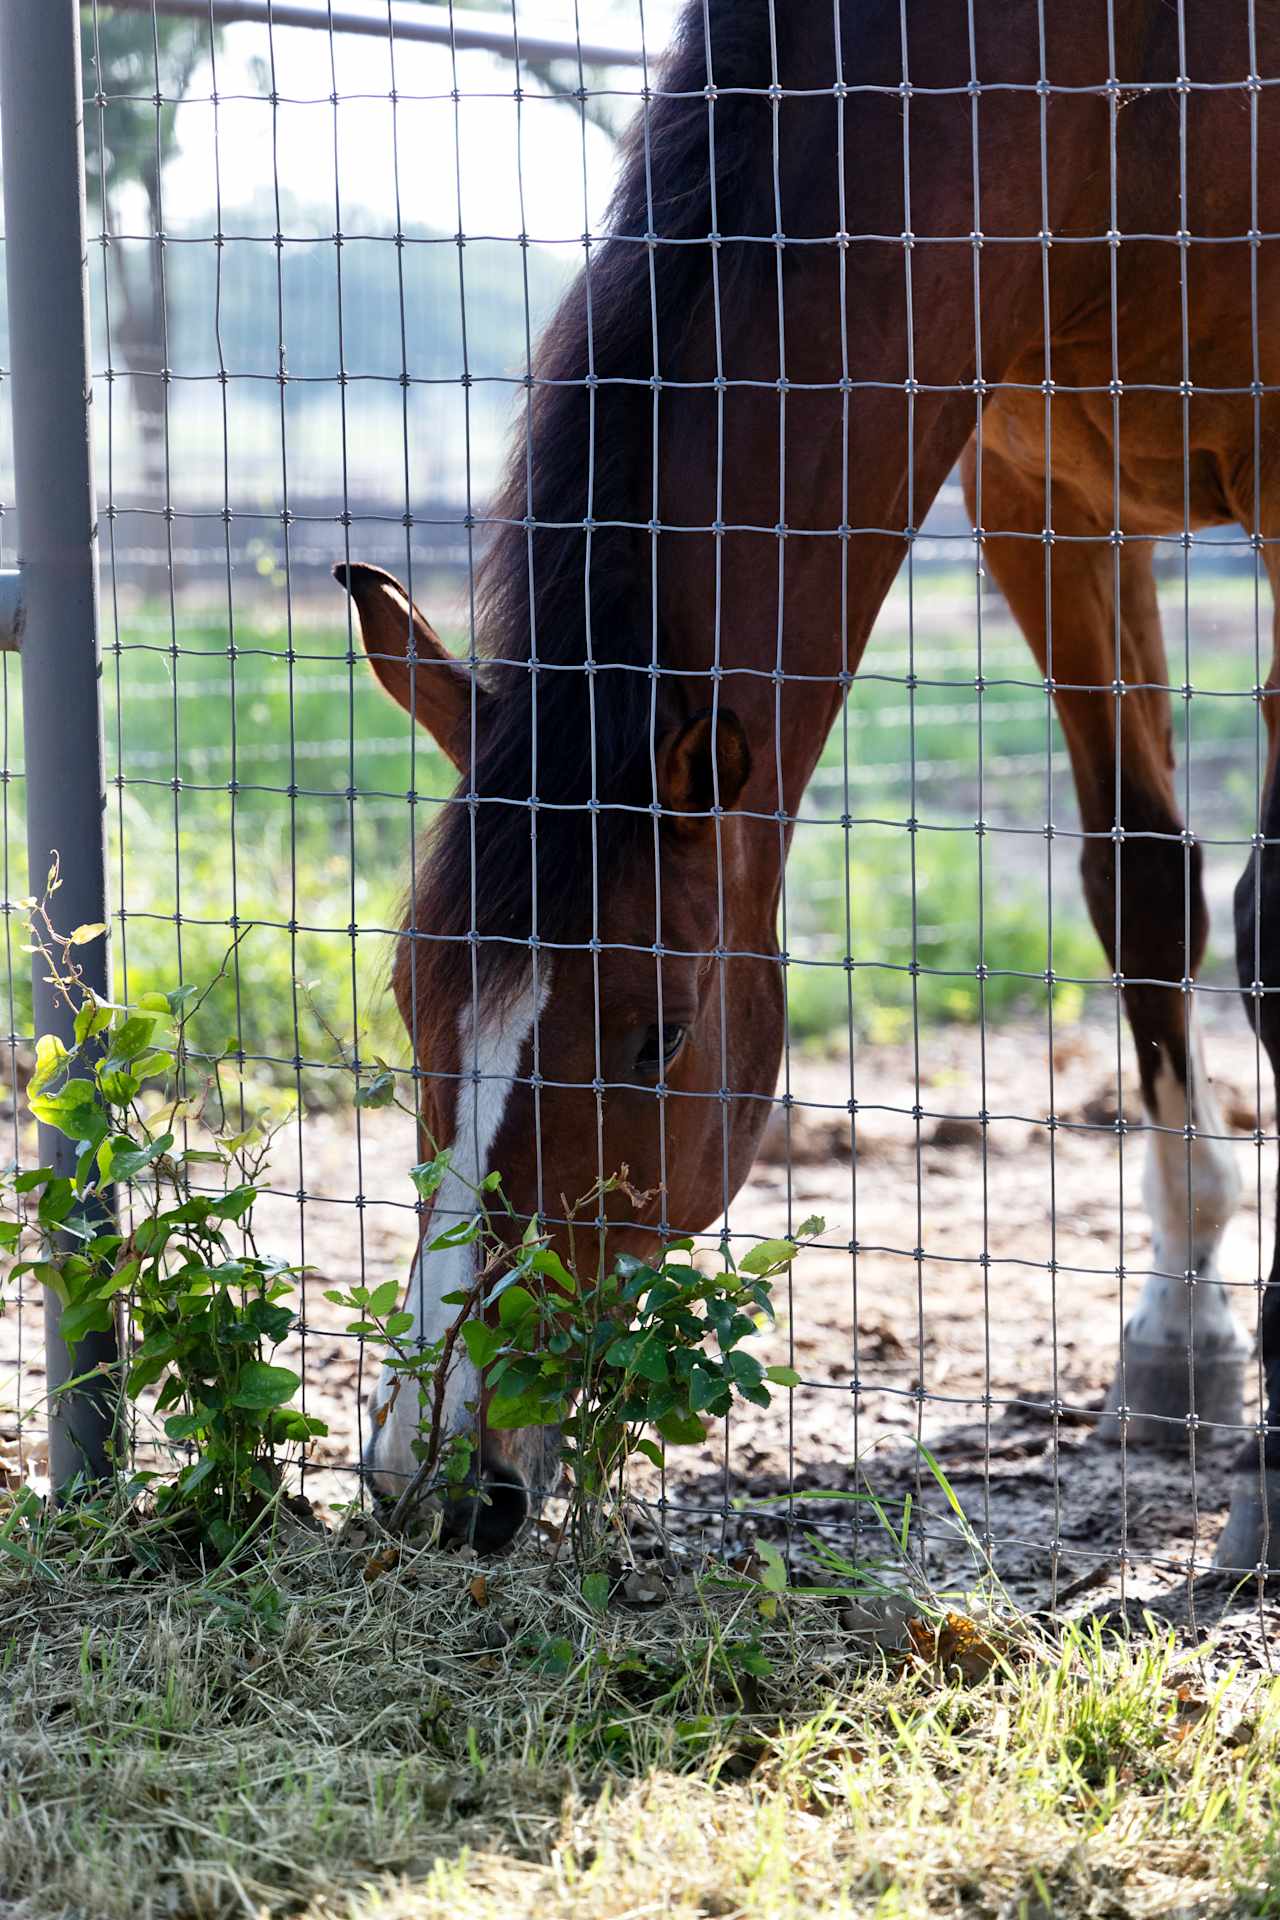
<point x="966" y="1285"/>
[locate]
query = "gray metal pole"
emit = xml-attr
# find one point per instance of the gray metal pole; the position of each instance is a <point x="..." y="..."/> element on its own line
<point x="41" y="112"/>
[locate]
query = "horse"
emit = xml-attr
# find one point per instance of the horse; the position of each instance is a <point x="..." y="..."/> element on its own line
<point x="852" y="245"/>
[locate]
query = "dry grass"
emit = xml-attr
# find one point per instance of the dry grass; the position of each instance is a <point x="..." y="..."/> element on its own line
<point x="307" y="1738"/>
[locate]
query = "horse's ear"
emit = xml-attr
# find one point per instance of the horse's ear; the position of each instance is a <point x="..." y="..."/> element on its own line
<point x="704" y="763"/>
<point x="411" y="660"/>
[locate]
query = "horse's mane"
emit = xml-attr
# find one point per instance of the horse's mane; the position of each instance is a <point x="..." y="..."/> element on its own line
<point x="545" y="596"/>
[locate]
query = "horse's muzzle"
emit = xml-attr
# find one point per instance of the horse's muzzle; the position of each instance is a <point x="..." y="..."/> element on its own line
<point x="490" y="1514"/>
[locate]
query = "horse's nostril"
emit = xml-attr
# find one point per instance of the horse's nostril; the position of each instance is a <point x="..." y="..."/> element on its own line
<point x="490" y="1523"/>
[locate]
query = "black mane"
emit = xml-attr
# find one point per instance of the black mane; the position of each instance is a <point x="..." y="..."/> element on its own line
<point x="533" y="602"/>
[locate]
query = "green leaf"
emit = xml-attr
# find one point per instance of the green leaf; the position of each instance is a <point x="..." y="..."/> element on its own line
<point x="149" y="1066"/>
<point x="704" y="1387"/>
<point x="378" y="1092"/>
<point x="460" y="1234"/>
<point x="515" y="1306"/>
<point x="87" y="1316"/>
<point x="555" y="1656"/>
<point x="152" y="1236"/>
<point x="427" y="1176"/>
<point x="595" y="1591"/>
<point x="51" y="1058"/>
<point x="551" y="1267"/>
<point x="117" y="1085"/>
<point x="482" y="1342"/>
<point x="74" y="1110"/>
<point x="262" y="1387"/>
<point x="292" y="1424"/>
<point x="233" y="1205"/>
<point x="681" y="1429"/>
<point x="145" y="1372"/>
<point x="774" y="1577"/>
<point x="184" y="1426"/>
<point x="744" y="1369"/>
<point x="651" y="1361"/>
<point x="131" y="1037"/>
<point x="92" y="1018"/>
<point x="526" y="1410"/>
<point x="88" y="930"/>
<point x="768" y="1256"/>
<point x="502" y="1284"/>
<point x="782" y="1376"/>
<point x="652" y="1452"/>
<point x="192" y="1477"/>
<point x="384" y="1298"/>
<point x="397" y="1323"/>
<point x="123" y="1162"/>
<point x="811" y="1228"/>
<point x="222" y="1534"/>
<point x="271" y="1321"/>
<point x="55" y="1203"/>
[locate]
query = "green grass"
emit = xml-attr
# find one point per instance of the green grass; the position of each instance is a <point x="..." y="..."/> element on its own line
<point x="882" y="921"/>
<point x="331" y="1735"/>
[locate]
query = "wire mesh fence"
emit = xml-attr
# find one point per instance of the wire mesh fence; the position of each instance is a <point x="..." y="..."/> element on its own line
<point x="953" y="327"/>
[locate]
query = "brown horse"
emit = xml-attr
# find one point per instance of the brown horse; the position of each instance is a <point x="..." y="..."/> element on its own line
<point x="853" y="243"/>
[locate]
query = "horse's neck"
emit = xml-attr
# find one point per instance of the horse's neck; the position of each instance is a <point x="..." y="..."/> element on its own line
<point x="776" y="627"/>
<point x="877" y="343"/>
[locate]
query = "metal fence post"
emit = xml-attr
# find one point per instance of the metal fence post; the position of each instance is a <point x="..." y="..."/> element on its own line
<point x="41" y="130"/>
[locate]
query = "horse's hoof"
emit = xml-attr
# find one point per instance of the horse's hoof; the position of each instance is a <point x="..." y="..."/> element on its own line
<point x="1156" y="1387"/>
<point x="1251" y="1537"/>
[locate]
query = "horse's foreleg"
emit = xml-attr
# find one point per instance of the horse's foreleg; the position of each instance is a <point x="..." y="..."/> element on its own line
<point x="1183" y="1356"/>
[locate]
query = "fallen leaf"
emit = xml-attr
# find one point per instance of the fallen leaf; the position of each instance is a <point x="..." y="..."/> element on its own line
<point x="381" y="1562"/>
<point x="479" y="1591"/>
<point x="956" y="1645"/>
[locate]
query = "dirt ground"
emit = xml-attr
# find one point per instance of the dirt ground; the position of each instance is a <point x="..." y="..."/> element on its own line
<point x="930" y="1311"/>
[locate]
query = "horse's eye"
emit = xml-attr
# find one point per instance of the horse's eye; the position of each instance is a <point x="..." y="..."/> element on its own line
<point x="659" y="1047"/>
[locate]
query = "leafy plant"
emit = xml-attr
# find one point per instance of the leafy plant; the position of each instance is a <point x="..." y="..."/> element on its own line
<point x="626" y="1359"/>
<point x="209" y="1316"/>
<point x="630" y="1359"/>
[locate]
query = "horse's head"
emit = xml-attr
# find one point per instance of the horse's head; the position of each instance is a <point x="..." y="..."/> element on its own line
<point x="649" y="1041"/>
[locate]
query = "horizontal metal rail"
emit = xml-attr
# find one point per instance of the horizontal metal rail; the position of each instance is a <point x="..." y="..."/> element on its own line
<point x="405" y="20"/>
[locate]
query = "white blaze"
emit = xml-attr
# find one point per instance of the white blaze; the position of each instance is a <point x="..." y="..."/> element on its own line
<point x="489" y="1060"/>
<point x="1191" y="1190"/>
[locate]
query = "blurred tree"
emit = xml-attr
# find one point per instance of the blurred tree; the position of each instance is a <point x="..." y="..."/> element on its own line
<point x="137" y="68"/>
